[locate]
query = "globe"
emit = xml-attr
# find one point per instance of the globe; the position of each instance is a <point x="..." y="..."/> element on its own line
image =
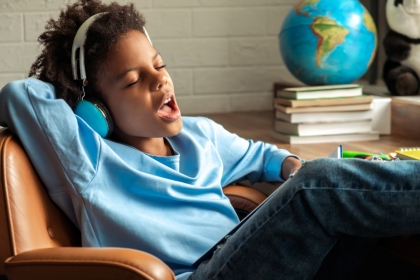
<point x="325" y="42"/>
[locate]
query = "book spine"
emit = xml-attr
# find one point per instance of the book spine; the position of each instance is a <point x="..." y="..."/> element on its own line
<point x="323" y="128"/>
<point x="294" y="103"/>
<point x="305" y="95"/>
<point x="325" y="117"/>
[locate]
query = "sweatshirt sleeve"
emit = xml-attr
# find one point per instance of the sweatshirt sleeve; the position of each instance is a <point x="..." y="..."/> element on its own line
<point x="62" y="148"/>
<point x="247" y="160"/>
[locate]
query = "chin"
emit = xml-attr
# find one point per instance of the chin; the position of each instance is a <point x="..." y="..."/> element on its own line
<point x="170" y="129"/>
<point x="175" y="128"/>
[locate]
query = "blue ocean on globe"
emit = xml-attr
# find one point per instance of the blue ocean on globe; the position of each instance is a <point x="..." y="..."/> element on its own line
<point x="324" y="42"/>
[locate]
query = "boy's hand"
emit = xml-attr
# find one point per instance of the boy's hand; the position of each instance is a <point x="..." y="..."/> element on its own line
<point x="290" y="166"/>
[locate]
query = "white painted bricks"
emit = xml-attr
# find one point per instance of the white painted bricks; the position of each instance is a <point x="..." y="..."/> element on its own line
<point x="222" y="55"/>
<point x="10" y="27"/>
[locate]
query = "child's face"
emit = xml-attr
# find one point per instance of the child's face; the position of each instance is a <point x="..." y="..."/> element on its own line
<point x="136" y="88"/>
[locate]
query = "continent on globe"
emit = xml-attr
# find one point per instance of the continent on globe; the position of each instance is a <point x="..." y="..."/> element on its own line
<point x="370" y="25"/>
<point x="329" y="34"/>
<point x="327" y="42"/>
<point x="303" y="4"/>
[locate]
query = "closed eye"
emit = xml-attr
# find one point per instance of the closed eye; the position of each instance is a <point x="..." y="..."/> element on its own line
<point x="161" y="67"/>
<point x="129" y="85"/>
<point x="133" y="83"/>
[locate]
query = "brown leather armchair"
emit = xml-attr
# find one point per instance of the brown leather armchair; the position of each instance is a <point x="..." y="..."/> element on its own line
<point x="38" y="241"/>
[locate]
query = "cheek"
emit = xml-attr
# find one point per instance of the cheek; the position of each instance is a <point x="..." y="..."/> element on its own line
<point x="123" y="110"/>
<point x="129" y="115"/>
<point x="123" y="104"/>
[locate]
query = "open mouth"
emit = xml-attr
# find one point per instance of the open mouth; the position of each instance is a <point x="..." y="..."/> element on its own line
<point x="169" y="109"/>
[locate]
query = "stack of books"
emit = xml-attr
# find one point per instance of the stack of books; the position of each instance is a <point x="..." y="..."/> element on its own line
<point x="316" y="114"/>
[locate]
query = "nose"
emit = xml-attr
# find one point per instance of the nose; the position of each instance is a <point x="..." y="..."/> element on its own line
<point x="160" y="79"/>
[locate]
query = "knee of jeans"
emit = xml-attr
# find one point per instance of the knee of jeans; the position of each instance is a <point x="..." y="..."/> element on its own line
<point x="317" y="167"/>
<point x="315" y="171"/>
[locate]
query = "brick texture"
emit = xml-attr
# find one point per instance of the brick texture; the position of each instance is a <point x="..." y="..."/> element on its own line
<point x="35" y="24"/>
<point x="11" y="27"/>
<point x="222" y="55"/>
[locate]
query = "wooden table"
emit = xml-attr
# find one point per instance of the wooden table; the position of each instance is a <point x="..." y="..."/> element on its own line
<point x="257" y="126"/>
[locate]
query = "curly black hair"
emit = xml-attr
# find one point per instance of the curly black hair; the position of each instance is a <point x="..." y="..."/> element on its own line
<point x="53" y="65"/>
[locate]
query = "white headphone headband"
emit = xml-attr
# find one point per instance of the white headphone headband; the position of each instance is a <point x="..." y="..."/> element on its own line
<point x="79" y="42"/>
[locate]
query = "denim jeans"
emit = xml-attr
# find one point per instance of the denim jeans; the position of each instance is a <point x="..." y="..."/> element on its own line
<point x="329" y="203"/>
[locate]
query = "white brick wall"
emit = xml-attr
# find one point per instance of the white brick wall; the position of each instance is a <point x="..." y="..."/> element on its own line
<point x="223" y="55"/>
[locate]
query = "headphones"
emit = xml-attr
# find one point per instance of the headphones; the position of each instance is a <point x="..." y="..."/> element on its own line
<point x="92" y="111"/>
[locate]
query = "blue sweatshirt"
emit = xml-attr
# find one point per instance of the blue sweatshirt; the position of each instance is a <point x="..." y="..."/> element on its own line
<point x="172" y="207"/>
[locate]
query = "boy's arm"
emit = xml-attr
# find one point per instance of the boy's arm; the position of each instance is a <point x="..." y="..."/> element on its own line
<point x="290" y="166"/>
<point x="253" y="161"/>
<point x="62" y="151"/>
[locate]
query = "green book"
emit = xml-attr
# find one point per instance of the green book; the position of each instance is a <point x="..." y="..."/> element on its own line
<point x="314" y="92"/>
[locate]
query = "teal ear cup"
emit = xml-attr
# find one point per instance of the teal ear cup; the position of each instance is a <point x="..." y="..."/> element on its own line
<point x="96" y="115"/>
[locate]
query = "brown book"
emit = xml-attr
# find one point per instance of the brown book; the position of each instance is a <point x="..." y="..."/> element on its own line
<point x="295" y="103"/>
<point x="352" y="107"/>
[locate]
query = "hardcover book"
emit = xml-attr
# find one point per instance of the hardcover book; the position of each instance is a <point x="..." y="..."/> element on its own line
<point x="314" y="92"/>
<point x="320" y="117"/>
<point x="338" y="108"/>
<point x="312" y="129"/>
<point x="296" y="103"/>
<point x="295" y="139"/>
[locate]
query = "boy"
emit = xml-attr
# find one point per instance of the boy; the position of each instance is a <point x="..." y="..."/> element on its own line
<point x="155" y="182"/>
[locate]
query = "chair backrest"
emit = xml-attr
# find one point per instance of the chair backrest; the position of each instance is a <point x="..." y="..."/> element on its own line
<point x="29" y="219"/>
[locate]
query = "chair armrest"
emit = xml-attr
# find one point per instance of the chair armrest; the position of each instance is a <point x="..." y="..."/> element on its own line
<point x="86" y="263"/>
<point x="244" y="198"/>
